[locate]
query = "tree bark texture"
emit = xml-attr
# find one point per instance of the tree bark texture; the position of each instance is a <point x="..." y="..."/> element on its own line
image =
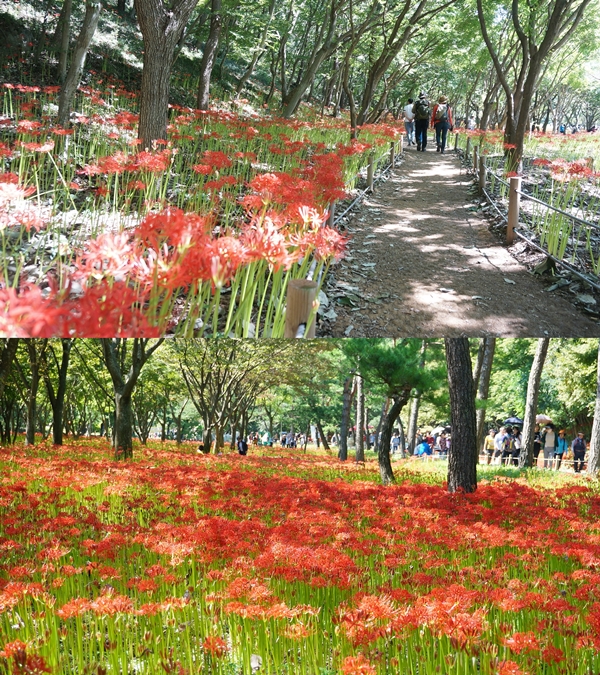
<point x="7" y="354"/>
<point x="483" y="386"/>
<point x="462" y="458"/>
<point x="360" y="415"/>
<point x="209" y="55"/>
<point x="161" y="30"/>
<point x="69" y="87"/>
<point x="593" y="462"/>
<point x="533" y="391"/>
<point x="64" y="26"/>
<point x="387" y="429"/>
<point x="345" y="421"/>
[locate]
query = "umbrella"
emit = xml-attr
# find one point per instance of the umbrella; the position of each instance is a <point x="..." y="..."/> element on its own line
<point x="542" y="419"/>
<point x="513" y="420"/>
<point x="438" y="430"/>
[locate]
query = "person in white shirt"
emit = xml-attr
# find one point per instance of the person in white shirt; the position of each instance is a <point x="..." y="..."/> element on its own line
<point x="549" y="443"/>
<point x="409" y="122"/>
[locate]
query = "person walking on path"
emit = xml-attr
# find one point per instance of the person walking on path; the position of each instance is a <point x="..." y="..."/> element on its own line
<point x="561" y="447"/>
<point x="441" y="121"/>
<point x="421" y="112"/>
<point x="516" y="446"/>
<point x="409" y="122"/>
<point x="578" y="446"/>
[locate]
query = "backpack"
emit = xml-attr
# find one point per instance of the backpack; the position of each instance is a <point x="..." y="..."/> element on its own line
<point x="441" y="114"/>
<point x="422" y="109"/>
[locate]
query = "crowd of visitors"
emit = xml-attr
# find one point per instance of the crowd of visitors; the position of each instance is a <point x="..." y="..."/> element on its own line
<point x="503" y="446"/>
<point x="419" y="114"/>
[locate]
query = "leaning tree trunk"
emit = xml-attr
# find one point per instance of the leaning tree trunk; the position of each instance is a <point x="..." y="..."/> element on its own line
<point x="69" y="87"/>
<point x="387" y="428"/>
<point x="593" y="463"/>
<point x="483" y="386"/>
<point x="209" y="55"/>
<point x="123" y="430"/>
<point x="345" y="422"/>
<point x="412" y="423"/>
<point x="360" y="419"/>
<point x="533" y="390"/>
<point x="322" y="435"/>
<point x="462" y="457"/>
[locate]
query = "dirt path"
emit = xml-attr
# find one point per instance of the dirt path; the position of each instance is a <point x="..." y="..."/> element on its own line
<point x="422" y="262"/>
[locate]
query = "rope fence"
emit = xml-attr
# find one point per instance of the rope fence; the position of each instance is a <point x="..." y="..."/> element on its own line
<point x="554" y="228"/>
<point x="540" y="463"/>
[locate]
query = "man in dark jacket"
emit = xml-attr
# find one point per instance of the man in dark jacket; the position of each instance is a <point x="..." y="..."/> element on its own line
<point x="422" y="113"/>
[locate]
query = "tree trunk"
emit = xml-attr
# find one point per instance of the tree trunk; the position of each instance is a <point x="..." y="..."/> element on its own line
<point x="533" y="390"/>
<point x="345" y="422"/>
<point x="209" y="55"/>
<point x="414" y="409"/>
<point x="123" y="430"/>
<point x="360" y="414"/>
<point x="463" y="455"/>
<point x="161" y="31"/>
<point x="323" y="437"/>
<point x="7" y="354"/>
<point x="258" y="52"/>
<point x="384" y="408"/>
<point x="34" y="365"/>
<point x="387" y="429"/>
<point x="402" y="438"/>
<point x="593" y="463"/>
<point x="483" y="386"/>
<point x="63" y="31"/>
<point x="69" y="87"/>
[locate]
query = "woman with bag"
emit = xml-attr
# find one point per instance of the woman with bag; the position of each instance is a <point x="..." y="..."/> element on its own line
<point x="441" y="120"/>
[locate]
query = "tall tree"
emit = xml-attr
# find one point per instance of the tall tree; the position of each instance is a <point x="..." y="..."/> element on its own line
<point x="8" y="351"/>
<point x="540" y="29"/>
<point x="57" y="395"/>
<point x="413" y="420"/>
<point x="463" y="454"/>
<point x="73" y="76"/>
<point x="162" y="25"/>
<point x="210" y="54"/>
<point x="360" y="418"/>
<point x="482" y="384"/>
<point x="125" y="368"/>
<point x="348" y="395"/>
<point x="533" y="392"/>
<point x="394" y="365"/>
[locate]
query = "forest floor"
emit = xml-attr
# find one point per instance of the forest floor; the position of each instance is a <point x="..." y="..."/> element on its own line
<point x="422" y="262"/>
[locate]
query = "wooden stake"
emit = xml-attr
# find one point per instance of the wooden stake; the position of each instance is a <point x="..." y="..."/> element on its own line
<point x="482" y="174"/>
<point x="371" y="171"/>
<point x="392" y="153"/>
<point x="468" y="149"/>
<point x="301" y="299"/>
<point x="456" y="141"/>
<point x="514" y="205"/>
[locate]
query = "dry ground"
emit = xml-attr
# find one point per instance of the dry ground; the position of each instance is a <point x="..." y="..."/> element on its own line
<point x="422" y="262"/>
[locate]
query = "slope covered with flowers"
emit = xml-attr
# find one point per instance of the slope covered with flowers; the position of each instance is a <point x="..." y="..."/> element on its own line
<point x="188" y="563"/>
<point x="103" y="237"/>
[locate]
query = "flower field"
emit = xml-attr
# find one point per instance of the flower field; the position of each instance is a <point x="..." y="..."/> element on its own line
<point x="285" y="563"/>
<point x="199" y="235"/>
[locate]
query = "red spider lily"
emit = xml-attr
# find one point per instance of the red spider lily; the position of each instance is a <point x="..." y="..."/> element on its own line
<point x="519" y="642"/>
<point x="215" y="646"/>
<point x="357" y="665"/>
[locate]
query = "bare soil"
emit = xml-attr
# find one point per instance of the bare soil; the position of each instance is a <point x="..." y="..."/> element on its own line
<point x="422" y="262"/>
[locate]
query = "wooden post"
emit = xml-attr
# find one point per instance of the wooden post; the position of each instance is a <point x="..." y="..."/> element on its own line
<point x="401" y="145"/>
<point x="392" y="153"/>
<point x="371" y="171"/>
<point x="468" y="148"/>
<point x="475" y="159"/>
<point x="589" y="161"/>
<point x="514" y="204"/>
<point x="301" y="298"/>
<point x="331" y="219"/>
<point x="456" y="142"/>
<point x="482" y="174"/>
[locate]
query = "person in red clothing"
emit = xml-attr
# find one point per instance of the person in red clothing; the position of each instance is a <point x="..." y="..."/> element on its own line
<point x="441" y="121"/>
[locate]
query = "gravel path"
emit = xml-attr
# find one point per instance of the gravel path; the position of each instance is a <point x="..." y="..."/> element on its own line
<point x="422" y="262"/>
